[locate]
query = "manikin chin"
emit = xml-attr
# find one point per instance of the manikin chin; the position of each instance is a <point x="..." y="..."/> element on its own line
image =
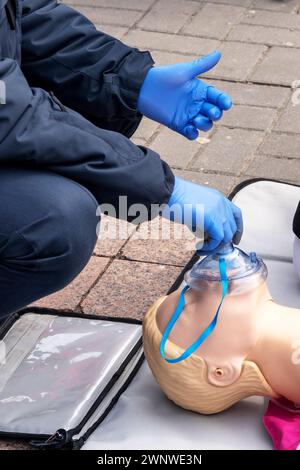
<point x="254" y="349"/>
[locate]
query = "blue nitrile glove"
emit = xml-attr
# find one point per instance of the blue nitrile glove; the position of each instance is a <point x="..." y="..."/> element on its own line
<point x="220" y="220"/>
<point x="175" y="97"/>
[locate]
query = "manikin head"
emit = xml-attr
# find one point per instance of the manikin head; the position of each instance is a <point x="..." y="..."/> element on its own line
<point x="249" y="351"/>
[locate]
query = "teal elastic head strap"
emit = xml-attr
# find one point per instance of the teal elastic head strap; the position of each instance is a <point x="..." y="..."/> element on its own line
<point x="179" y="309"/>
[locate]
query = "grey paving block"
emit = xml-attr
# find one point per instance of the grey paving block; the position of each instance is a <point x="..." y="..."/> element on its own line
<point x="278" y="168"/>
<point x="146" y="129"/>
<point x="265" y="35"/>
<point x="254" y="95"/>
<point x="238" y="61"/>
<point x="126" y="4"/>
<point x="229" y="151"/>
<point x="249" y="117"/>
<point x="289" y="120"/>
<point x="176" y="150"/>
<point x="273" y="19"/>
<point x="168" y="16"/>
<point x="214" y="21"/>
<point x="276" y="5"/>
<point x="280" y="66"/>
<point x="170" y="42"/>
<point x="112" y="16"/>
<point x="113" y="30"/>
<point x="242" y="3"/>
<point x="281" y="145"/>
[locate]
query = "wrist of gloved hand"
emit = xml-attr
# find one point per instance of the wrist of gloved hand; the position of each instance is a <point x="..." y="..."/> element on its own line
<point x="206" y="212"/>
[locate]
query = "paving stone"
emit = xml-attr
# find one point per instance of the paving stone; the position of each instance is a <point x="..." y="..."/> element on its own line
<point x="161" y="241"/>
<point x="139" y="141"/>
<point x="175" y="149"/>
<point x="249" y="117"/>
<point x="276" y="5"/>
<point x="242" y="3"/>
<point x="146" y="129"/>
<point x="289" y="120"/>
<point x="254" y="95"/>
<point x="112" y="16"/>
<point x="70" y="297"/>
<point x="126" y="4"/>
<point x="7" y="444"/>
<point x="275" y="168"/>
<point x="170" y="42"/>
<point x="229" y="151"/>
<point x="214" y="21"/>
<point x="281" y="145"/>
<point x="280" y="66"/>
<point x="113" y="235"/>
<point x="168" y="16"/>
<point x="136" y="286"/>
<point x="265" y="35"/>
<point x="163" y="58"/>
<point x="273" y="19"/>
<point x="238" y="61"/>
<point x="223" y="183"/>
<point x="114" y="31"/>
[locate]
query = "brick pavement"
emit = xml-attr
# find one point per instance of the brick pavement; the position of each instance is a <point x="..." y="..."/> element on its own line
<point x="260" y="137"/>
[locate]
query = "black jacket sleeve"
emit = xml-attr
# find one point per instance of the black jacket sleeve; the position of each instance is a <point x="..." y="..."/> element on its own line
<point x="35" y="130"/>
<point x="296" y="223"/>
<point x="89" y="71"/>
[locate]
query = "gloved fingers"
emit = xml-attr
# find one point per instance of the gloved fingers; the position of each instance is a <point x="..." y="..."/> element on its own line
<point x="233" y="225"/>
<point x="228" y="233"/>
<point x="215" y="232"/>
<point x="218" y="98"/>
<point x="211" y="111"/>
<point x="238" y="216"/>
<point x="199" y="66"/>
<point x="209" y="245"/>
<point x="191" y="132"/>
<point x="202" y="123"/>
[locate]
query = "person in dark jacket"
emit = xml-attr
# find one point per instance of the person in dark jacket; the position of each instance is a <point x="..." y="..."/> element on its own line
<point x="70" y="99"/>
<point x="296" y="230"/>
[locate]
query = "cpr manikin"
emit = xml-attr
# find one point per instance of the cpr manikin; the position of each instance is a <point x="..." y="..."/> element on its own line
<point x="250" y="347"/>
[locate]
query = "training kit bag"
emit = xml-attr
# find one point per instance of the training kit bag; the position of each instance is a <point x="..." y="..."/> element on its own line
<point x="61" y="374"/>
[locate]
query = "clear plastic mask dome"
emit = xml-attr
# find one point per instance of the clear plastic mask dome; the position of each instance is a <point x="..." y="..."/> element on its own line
<point x="243" y="270"/>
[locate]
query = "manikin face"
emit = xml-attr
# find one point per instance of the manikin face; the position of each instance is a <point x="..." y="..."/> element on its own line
<point x="237" y="331"/>
<point x="220" y="372"/>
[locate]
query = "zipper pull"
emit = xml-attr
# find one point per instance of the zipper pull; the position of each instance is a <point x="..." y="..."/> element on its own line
<point x="56" y="441"/>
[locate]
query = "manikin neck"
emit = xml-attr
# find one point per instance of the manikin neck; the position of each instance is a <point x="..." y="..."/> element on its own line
<point x="277" y="352"/>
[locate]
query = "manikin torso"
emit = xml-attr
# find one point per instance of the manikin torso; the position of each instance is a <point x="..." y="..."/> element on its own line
<point x="251" y="326"/>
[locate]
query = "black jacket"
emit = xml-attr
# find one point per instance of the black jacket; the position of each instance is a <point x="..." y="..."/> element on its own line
<point x="48" y="47"/>
<point x="296" y="224"/>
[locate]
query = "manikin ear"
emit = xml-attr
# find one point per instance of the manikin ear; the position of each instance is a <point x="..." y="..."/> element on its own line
<point x="224" y="373"/>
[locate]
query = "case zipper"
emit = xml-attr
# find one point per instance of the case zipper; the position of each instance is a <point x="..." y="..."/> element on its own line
<point x="58" y="440"/>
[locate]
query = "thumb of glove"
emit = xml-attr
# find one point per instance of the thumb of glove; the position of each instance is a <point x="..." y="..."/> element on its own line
<point x="199" y="66"/>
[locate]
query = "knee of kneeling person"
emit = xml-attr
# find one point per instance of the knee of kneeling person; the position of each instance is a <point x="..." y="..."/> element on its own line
<point x="65" y="237"/>
<point x="74" y="236"/>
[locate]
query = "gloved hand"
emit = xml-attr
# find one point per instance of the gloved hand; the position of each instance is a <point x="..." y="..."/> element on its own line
<point x="175" y="97"/>
<point x="206" y="210"/>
